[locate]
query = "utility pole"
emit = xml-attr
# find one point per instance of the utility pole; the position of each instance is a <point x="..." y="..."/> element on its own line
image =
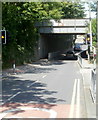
<point x="97" y="24"/>
<point x="97" y="39"/>
<point x="90" y="26"/>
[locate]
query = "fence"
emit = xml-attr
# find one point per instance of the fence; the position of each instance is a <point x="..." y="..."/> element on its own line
<point x="93" y="84"/>
<point x="80" y="60"/>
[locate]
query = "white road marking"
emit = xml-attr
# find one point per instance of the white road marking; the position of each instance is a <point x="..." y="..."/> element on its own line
<point x="32" y="84"/>
<point x="13" y="96"/>
<point x="53" y="114"/>
<point x="20" y="92"/>
<point x="44" y="76"/>
<point x="2" y="115"/>
<point x="73" y="100"/>
<point x="78" y="100"/>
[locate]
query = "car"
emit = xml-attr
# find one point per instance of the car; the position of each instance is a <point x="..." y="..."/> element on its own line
<point x="70" y="54"/>
<point x="77" y="47"/>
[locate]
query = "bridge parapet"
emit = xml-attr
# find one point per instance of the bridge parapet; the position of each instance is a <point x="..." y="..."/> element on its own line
<point x="63" y="22"/>
<point x="73" y="26"/>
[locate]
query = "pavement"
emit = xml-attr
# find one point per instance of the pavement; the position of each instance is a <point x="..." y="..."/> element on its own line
<point x="86" y="68"/>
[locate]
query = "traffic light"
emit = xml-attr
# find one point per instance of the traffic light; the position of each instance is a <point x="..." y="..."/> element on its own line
<point x="88" y="35"/>
<point x="88" y="38"/>
<point x="3" y="36"/>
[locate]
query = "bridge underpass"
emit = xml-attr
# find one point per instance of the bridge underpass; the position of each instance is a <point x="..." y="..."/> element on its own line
<point x="56" y="37"/>
<point x="54" y="43"/>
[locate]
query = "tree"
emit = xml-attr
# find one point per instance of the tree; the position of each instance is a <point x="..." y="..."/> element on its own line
<point x="94" y="31"/>
<point x="19" y="19"/>
<point x="72" y="10"/>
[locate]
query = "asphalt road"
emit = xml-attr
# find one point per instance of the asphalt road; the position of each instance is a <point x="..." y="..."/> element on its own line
<point x="61" y="80"/>
<point x="45" y="83"/>
<point x="57" y="77"/>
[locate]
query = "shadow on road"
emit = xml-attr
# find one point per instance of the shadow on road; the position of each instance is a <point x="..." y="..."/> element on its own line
<point x="29" y="68"/>
<point x="64" y="57"/>
<point x="19" y="92"/>
<point x="46" y="62"/>
<point x="41" y="66"/>
<point x="26" y="91"/>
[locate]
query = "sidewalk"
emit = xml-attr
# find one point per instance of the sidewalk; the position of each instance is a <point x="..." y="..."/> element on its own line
<point x="86" y="73"/>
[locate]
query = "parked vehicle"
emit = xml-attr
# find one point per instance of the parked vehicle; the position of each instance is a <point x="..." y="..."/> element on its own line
<point x="70" y="54"/>
<point x="77" y="46"/>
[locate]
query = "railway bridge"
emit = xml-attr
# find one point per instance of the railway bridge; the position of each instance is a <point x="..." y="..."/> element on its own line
<point x="57" y="36"/>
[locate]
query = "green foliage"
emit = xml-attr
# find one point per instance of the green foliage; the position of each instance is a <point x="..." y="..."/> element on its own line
<point x="72" y="10"/>
<point x="19" y="18"/>
<point x="19" y="21"/>
<point x="94" y="31"/>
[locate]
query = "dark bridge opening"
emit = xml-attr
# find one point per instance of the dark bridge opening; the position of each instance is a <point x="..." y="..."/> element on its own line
<point x="54" y="43"/>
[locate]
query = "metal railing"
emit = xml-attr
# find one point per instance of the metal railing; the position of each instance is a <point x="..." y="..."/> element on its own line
<point x="92" y="77"/>
<point x="80" y="59"/>
<point x="93" y="84"/>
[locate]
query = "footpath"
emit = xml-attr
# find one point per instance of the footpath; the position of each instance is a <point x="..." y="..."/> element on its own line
<point x="86" y="71"/>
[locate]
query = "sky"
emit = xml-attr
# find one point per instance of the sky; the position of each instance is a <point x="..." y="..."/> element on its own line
<point x="93" y="14"/>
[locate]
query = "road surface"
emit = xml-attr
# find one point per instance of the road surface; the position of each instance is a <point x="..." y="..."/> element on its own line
<point x="44" y="90"/>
